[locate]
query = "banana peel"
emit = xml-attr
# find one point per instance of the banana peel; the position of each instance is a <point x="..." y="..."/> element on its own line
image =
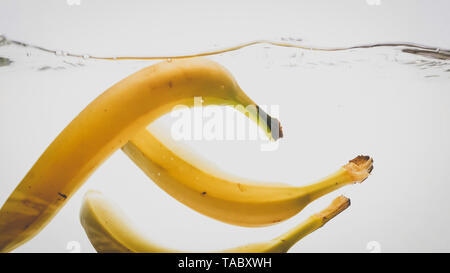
<point x="110" y="230"/>
<point x="107" y="124"/>
<point x="117" y="118"/>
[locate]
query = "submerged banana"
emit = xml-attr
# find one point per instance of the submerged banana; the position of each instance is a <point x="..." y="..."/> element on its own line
<point x="110" y="230"/>
<point x="233" y="200"/>
<point x="104" y="126"/>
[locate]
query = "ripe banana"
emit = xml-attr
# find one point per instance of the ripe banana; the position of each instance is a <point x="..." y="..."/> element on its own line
<point x="234" y="201"/>
<point x="107" y="124"/>
<point x="110" y="230"/>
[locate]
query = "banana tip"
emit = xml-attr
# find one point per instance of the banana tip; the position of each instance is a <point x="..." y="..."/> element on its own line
<point x="364" y="161"/>
<point x="277" y="134"/>
<point x="337" y="206"/>
<point x="360" y="167"/>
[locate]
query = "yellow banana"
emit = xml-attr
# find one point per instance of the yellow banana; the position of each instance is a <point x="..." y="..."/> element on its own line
<point x="110" y="230"/>
<point x="104" y="126"/>
<point x="234" y="200"/>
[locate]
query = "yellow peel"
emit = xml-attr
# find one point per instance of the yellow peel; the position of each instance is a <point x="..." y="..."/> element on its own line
<point x="104" y="126"/>
<point x="110" y="230"/>
<point x="233" y="200"/>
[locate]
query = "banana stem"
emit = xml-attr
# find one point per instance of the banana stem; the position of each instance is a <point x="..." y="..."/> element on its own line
<point x="314" y="222"/>
<point x="242" y="103"/>
<point x="330" y="184"/>
<point x="355" y="171"/>
<point x="270" y="125"/>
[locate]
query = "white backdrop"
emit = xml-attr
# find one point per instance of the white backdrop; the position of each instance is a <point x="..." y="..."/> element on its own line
<point x="329" y="116"/>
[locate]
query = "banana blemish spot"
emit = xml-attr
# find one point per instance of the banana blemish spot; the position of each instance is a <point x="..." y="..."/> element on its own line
<point x="62" y="195"/>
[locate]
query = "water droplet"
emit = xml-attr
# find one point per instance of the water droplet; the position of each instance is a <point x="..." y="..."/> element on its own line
<point x="159" y="174"/>
<point x="58" y="52"/>
<point x="28" y="54"/>
<point x="114" y="58"/>
<point x="171" y="158"/>
<point x="222" y="86"/>
<point x="85" y="56"/>
<point x="64" y="53"/>
<point x="266" y="52"/>
<point x="169" y="60"/>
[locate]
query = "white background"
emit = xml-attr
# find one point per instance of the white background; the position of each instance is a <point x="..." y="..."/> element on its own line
<point x="329" y="116"/>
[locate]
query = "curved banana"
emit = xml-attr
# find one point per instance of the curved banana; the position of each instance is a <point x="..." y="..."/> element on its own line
<point x="234" y="201"/>
<point x="104" y="126"/>
<point x="110" y="230"/>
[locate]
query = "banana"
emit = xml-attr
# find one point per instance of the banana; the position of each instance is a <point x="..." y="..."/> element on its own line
<point x="110" y="230"/>
<point x="233" y="200"/>
<point x="107" y="124"/>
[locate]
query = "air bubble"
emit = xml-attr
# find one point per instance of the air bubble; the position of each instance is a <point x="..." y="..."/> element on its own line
<point x="169" y="60"/>
<point x="85" y="56"/>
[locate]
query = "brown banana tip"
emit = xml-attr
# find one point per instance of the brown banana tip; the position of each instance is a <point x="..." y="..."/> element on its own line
<point x="277" y="134"/>
<point x="280" y="130"/>
<point x="270" y="123"/>
<point x="360" y="167"/>
<point x="364" y="161"/>
<point x="360" y="159"/>
<point x="337" y="206"/>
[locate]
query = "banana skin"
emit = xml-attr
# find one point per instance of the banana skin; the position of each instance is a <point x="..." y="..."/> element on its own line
<point x="233" y="200"/>
<point x="110" y="230"/>
<point x="104" y="126"/>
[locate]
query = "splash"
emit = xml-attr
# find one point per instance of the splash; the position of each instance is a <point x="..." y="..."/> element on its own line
<point x="285" y="53"/>
<point x="423" y="50"/>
